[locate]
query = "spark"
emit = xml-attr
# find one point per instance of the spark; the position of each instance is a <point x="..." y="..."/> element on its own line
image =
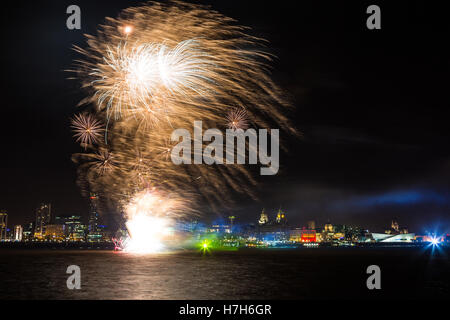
<point x="88" y="130"/>
<point x="104" y="161"/>
<point x="179" y="63"/>
<point x="237" y="119"/>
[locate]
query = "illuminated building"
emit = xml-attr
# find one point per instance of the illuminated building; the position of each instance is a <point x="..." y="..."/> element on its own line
<point x="281" y="217"/>
<point x="303" y="235"/>
<point x="18" y="233"/>
<point x="394" y="234"/>
<point x="328" y="228"/>
<point x="308" y="236"/>
<point x="328" y="233"/>
<point x="54" y="232"/>
<point x="74" y="229"/>
<point x="263" y="219"/>
<point x="103" y="233"/>
<point x="231" y="222"/>
<point x="28" y="234"/>
<point x="395" y="229"/>
<point x="93" y="233"/>
<point x="273" y="231"/>
<point x="3" y="224"/>
<point x="319" y="237"/>
<point x="401" y="237"/>
<point x="43" y="218"/>
<point x="220" y="227"/>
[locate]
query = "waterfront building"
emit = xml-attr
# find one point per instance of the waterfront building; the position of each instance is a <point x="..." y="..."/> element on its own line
<point x="28" y="232"/>
<point x="18" y="233"/>
<point x="93" y="233"/>
<point x="3" y="225"/>
<point x="74" y="229"/>
<point x="263" y="219"/>
<point x="220" y="227"/>
<point x="54" y="232"/>
<point x="192" y="226"/>
<point x="328" y="228"/>
<point x="273" y="231"/>
<point x="78" y="233"/>
<point x="302" y="235"/>
<point x="43" y="218"/>
<point x="394" y="234"/>
<point x="401" y="237"/>
<point x="281" y="217"/>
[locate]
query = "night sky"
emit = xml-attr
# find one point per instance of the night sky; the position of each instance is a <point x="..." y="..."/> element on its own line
<point x="371" y="104"/>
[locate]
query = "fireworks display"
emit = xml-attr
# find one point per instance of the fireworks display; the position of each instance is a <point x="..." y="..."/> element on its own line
<point x="237" y="119"/>
<point x="88" y="130"/>
<point x="157" y="68"/>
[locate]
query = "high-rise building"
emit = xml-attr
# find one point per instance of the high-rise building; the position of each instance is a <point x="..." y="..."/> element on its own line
<point x="74" y="229"/>
<point x="54" y="232"/>
<point x="3" y="224"/>
<point x="96" y="233"/>
<point x="18" y="233"/>
<point x="93" y="214"/>
<point x="28" y="231"/>
<point x="43" y="218"/>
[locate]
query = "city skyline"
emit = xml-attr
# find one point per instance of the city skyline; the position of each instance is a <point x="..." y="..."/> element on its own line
<point x="91" y="220"/>
<point x="348" y="166"/>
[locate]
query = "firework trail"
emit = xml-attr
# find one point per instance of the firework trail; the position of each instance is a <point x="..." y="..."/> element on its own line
<point x="160" y="67"/>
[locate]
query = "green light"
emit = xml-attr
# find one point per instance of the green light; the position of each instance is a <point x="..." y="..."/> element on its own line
<point x="205" y="246"/>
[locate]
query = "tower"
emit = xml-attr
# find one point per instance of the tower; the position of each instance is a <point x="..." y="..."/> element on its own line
<point x="43" y="218"/>
<point x="94" y="231"/>
<point x="281" y="217"/>
<point x="3" y="224"/>
<point x="394" y="225"/>
<point x="18" y="233"/>
<point x="93" y="214"/>
<point x="231" y="221"/>
<point x="263" y="219"/>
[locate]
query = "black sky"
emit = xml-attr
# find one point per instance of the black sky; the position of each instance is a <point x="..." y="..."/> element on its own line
<point x="372" y="106"/>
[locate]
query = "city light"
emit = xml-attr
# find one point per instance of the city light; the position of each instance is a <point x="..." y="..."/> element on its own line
<point x="205" y="246"/>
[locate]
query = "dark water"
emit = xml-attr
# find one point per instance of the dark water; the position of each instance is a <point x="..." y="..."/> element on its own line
<point x="245" y="274"/>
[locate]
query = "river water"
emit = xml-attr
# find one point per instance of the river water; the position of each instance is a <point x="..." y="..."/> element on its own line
<point x="245" y="274"/>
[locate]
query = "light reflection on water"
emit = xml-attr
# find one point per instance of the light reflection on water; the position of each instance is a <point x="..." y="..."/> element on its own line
<point x="222" y="275"/>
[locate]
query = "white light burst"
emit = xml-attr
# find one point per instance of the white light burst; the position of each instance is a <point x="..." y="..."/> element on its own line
<point x="149" y="223"/>
<point x="142" y="77"/>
